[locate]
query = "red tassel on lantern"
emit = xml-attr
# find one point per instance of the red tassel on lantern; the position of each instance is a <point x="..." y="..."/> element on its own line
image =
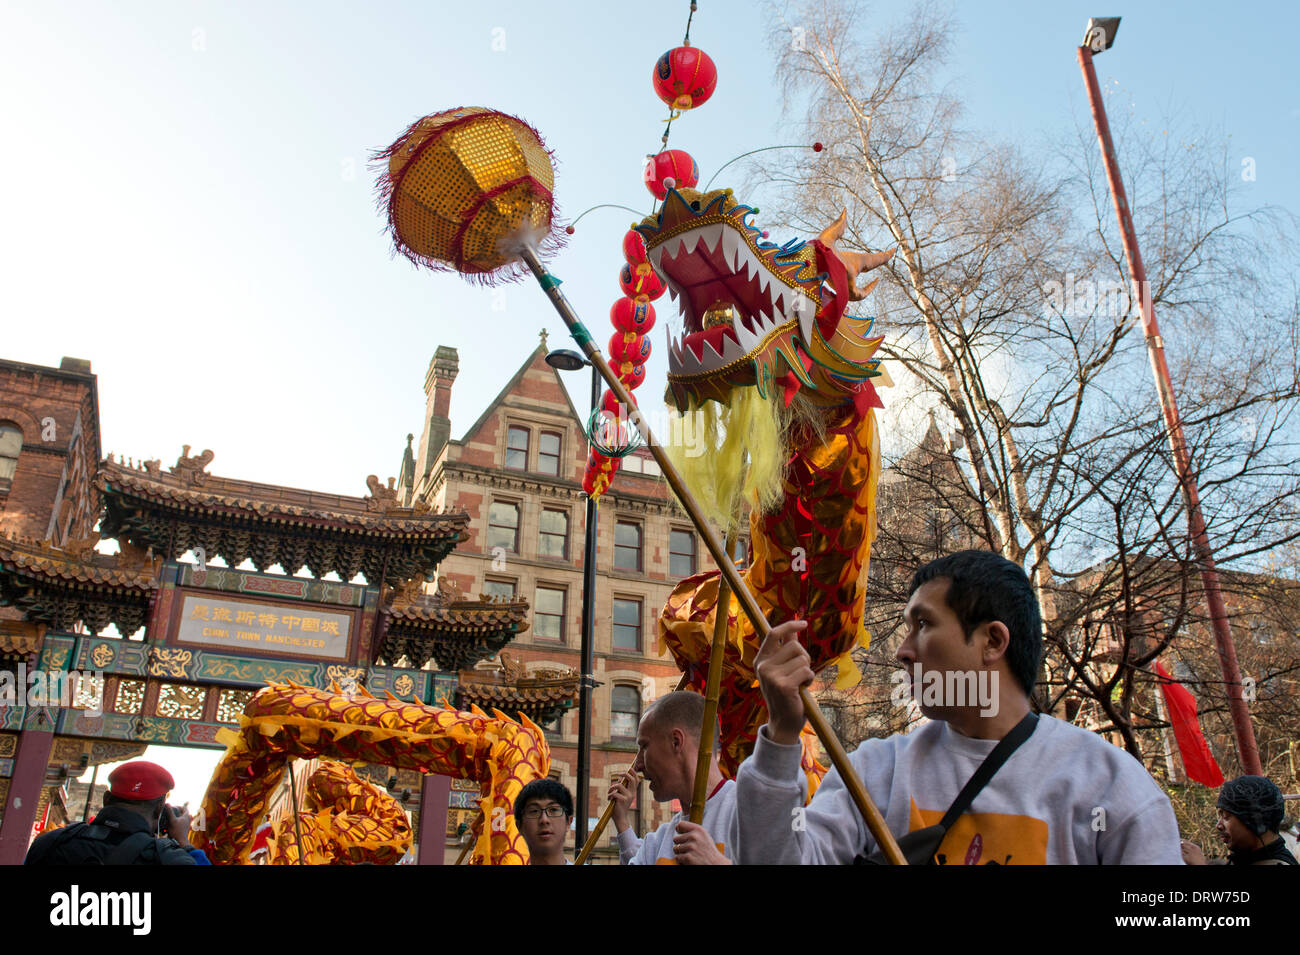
<point x="685" y="77"/>
<point x="674" y="164"/>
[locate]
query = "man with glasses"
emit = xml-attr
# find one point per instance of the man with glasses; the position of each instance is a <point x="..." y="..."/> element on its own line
<point x="544" y="812"/>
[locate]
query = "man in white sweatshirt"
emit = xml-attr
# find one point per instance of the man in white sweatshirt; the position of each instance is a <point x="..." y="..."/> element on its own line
<point x="1065" y="796"/>
<point x="668" y="744"/>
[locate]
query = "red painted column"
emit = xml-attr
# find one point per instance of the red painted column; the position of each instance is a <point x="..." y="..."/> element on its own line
<point x="30" y="763"/>
<point x="435" y="800"/>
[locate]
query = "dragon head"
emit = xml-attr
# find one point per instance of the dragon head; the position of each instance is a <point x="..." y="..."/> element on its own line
<point x="757" y="314"/>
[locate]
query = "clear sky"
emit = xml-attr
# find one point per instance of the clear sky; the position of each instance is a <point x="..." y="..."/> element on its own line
<point x="185" y="201"/>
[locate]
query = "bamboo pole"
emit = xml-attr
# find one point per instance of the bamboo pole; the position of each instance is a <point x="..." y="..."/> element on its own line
<point x="293" y="802"/>
<point x="870" y="814"/>
<point x="590" y="844"/>
<point x="721" y="613"/>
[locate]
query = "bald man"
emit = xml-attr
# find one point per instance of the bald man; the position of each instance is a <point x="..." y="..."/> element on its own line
<point x="668" y="743"/>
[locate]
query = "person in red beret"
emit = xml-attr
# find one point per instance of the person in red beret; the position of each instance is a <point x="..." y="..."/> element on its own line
<point x="124" y="832"/>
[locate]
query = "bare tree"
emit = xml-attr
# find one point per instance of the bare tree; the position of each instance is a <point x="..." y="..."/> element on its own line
<point x="1008" y="300"/>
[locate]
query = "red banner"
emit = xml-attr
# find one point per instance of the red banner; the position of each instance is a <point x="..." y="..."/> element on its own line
<point x="1198" y="761"/>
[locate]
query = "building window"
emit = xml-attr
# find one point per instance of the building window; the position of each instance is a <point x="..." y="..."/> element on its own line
<point x="499" y="589"/>
<point x="548" y="453"/>
<point x="11" y="445"/>
<point x="517" y="449"/>
<point x="548" y="614"/>
<point x="553" y="540"/>
<point x="627" y="624"/>
<point x="503" y="526"/>
<point x="627" y="546"/>
<point x="681" y="553"/>
<point x="625" y="712"/>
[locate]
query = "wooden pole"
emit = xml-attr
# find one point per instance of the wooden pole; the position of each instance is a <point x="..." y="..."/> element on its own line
<point x="721" y="613"/>
<point x="473" y="840"/>
<point x="590" y="844"/>
<point x="293" y="803"/>
<point x="464" y="852"/>
<point x="551" y="286"/>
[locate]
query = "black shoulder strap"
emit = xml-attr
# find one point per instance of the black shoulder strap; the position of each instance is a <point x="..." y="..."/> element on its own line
<point x="992" y="763"/>
<point x="130" y="849"/>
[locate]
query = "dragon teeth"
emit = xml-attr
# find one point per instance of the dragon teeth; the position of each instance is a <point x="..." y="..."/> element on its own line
<point x="803" y="309"/>
<point x="711" y="355"/>
<point x="712" y="235"/>
<point x="731" y="245"/>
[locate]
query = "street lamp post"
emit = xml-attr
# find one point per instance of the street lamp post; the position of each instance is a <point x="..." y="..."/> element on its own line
<point x="566" y="360"/>
<point x="1099" y="36"/>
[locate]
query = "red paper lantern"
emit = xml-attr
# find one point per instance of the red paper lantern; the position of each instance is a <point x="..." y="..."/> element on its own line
<point x="629" y="346"/>
<point x="685" y="77"/>
<point x="674" y="164"/>
<point x="642" y="288"/>
<point x="631" y="374"/>
<point x="634" y="248"/>
<point x="629" y="315"/>
<point x="610" y="404"/>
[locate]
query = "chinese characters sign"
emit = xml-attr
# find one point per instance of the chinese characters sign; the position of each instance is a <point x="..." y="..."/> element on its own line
<point x="244" y="626"/>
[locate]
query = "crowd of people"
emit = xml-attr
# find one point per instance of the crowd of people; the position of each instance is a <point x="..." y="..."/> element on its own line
<point x="976" y="784"/>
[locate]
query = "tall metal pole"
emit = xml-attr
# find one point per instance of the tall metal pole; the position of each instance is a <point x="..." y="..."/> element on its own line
<point x="1247" y="751"/>
<point x="588" y="638"/>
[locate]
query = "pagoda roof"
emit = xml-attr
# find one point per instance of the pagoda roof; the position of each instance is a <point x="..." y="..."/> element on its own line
<point x="455" y="632"/>
<point x="61" y="586"/>
<point x="185" y="507"/>
<point x="542" y="695"/>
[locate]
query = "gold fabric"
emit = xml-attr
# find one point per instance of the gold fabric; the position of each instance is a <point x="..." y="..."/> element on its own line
<point x="442" y="176"/>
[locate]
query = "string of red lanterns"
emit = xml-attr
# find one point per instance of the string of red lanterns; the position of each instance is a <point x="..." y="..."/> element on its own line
<point x="684" y="78"/>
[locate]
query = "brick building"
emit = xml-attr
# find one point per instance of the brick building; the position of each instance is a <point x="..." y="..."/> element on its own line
<point x="49" y="425"/>
<point x="517" y="471"/>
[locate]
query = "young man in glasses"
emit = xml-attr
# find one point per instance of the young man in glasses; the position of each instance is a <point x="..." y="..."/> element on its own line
<point x="543" y="812"/>
<point x="1064" y="796"/>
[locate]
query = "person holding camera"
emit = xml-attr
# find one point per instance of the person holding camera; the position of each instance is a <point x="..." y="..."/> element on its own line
<point x="125" y="831"/>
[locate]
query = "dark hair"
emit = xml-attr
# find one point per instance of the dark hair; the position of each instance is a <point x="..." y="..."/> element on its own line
<point x="543" y="789"/>
<point x="983" y="587"/>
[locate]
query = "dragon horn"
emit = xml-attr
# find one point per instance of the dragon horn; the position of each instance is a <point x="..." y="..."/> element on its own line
<point x="835" y="231"/>
<point x="859" y="262"/>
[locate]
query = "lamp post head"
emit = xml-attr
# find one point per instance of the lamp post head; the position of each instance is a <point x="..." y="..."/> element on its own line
<point x="1099" y="34"/>
<point x="566" y="359"/>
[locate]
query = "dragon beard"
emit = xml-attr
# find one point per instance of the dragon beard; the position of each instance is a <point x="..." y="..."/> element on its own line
<point x="738" y="453"/>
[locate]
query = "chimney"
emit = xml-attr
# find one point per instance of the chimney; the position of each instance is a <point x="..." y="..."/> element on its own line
<point x="437" y="391"/>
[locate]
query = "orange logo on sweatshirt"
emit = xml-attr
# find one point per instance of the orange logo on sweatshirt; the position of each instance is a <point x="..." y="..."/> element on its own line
<point x="986" y="838"/>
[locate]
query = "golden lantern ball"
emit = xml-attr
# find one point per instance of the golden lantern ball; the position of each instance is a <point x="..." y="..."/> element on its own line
<point x="465" y="188"/>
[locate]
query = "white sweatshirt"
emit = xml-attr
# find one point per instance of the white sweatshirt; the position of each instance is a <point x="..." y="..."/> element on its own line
<point x="1066" y="796"/>
<point x="719" y="822"/>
